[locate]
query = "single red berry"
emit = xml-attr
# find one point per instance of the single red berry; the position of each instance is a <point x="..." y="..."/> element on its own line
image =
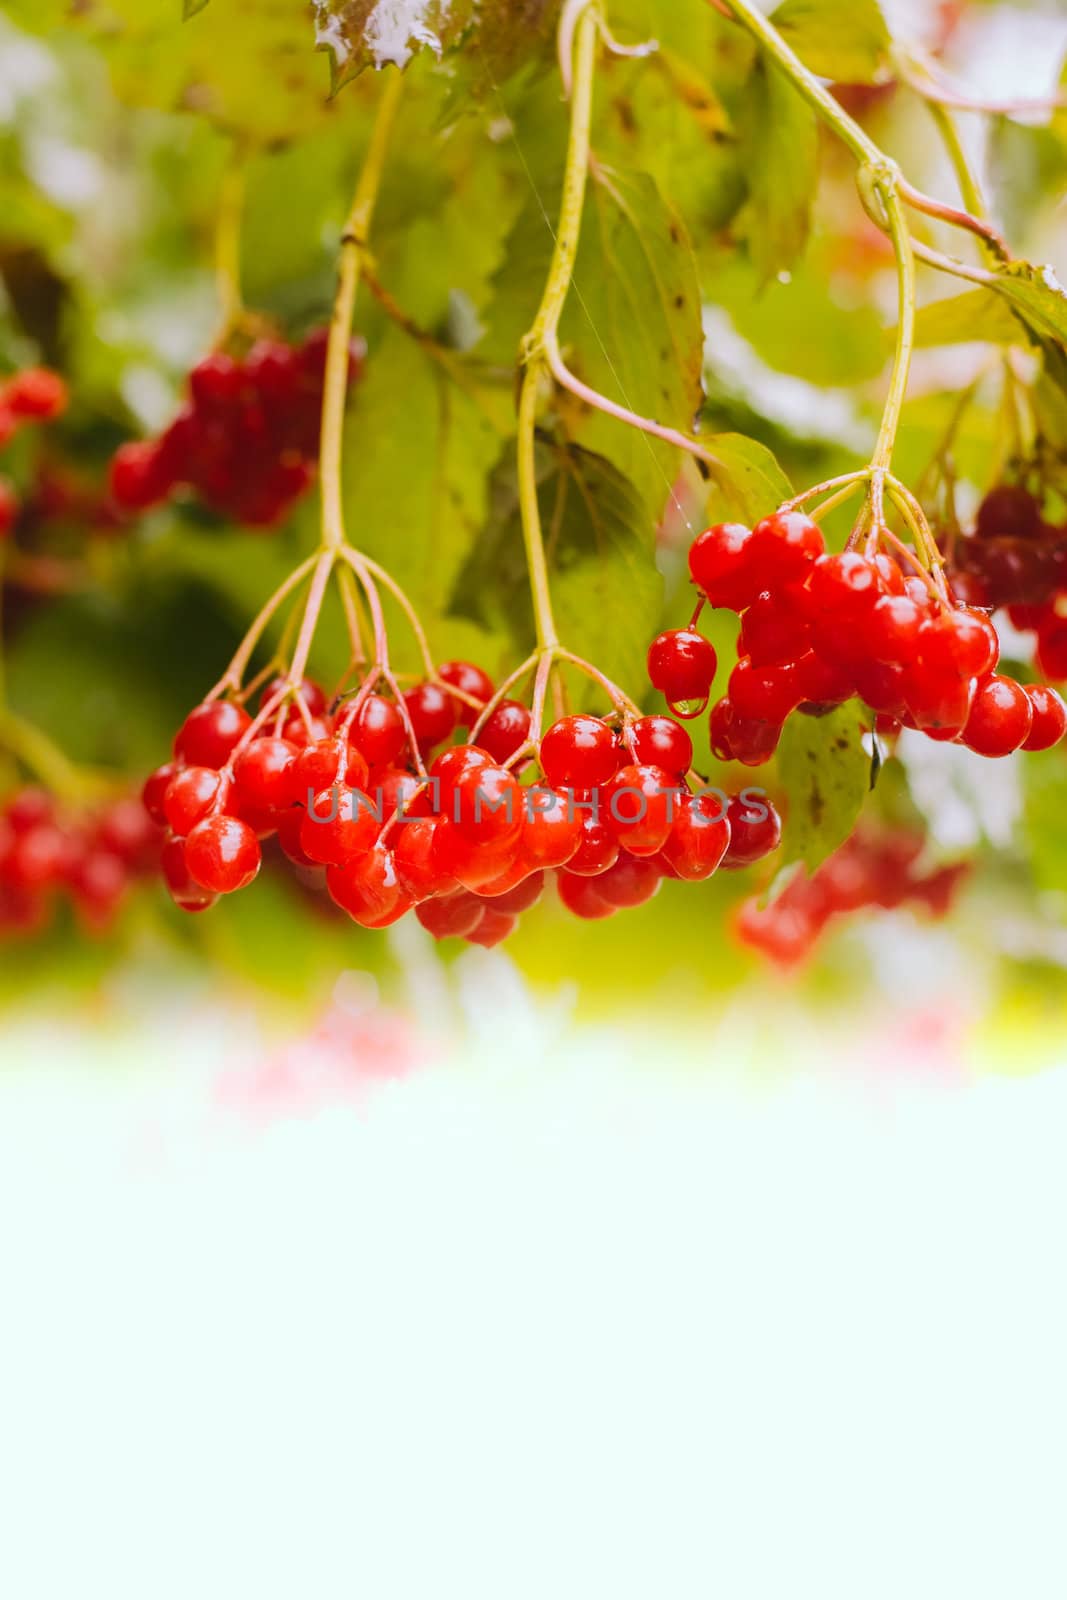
<point x="209" y="733"/>
<point x="506" y="730"/>
<point x="193" y="792"/>
<point x="939" y="705"/>
<point x="698" y="837"/>
<point x="182" y="887"/>
<point x="582" y="898"/>
<point x="138" y="476"/>
<point x="1049" y="717"/>
<point x="38" y="858"/>
<point x="433" y="714"/>
<point x="472" y="682"/>
<point x="755" y="829"/>
<point x="216" y="383"/>
<point x="37" y="394"/>
<point x="661" y="742"/>
<point x="125" y="830"/>
<point x="1001" y="717"/>
<point x="824" y="683"/>
<point x="453" y="916"/>
<point x="325" y="764"/>
<point x="681" y="665"/>
<point x="339" y="825"/>
<point x="959" y="641"/>
<point x="784" y="546"/>
<point x="493" y="928"/>
<point x="882" y="685"/>
<point x="1008" y="511"/>
<point x="1051" y="654"/>
<point x="263" y="774"/>
<point x="630" y="882"/>
<point x="485" y="806"/>
<point x="598" y="848"/>
<point x="222" y="854"/>
<point x="378" y="730"/>
<point x="721" y="566"/>
<point x="413" y="854"/>
<point x="551" y="828"/>
<point x="452" y="763"/>
<point x="764" y="694"/>
<point x="891" y="632"/>
<point x="773" y="631"/>
<point x="640" y="803"/>
<point x="845" y="587"/>
<point x="28" y="807"/>
<point x="155" y="789"/>
<point x="579" y="752"/>
<point x="368" y="888"/>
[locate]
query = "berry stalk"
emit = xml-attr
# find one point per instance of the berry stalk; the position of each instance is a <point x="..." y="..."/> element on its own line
<point x="353" y="245"/>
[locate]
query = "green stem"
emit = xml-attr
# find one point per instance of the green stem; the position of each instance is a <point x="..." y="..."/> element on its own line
<point x="905" y="343"/>
<point x="353" y="245"/>
<point x="546" y="322"/>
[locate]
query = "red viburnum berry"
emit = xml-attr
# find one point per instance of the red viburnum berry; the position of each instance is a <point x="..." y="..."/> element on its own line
<point x="552" y="827"/>
<point x="493" y="928"/>
<point x="598" y="848"/>
<point x="453" y="916"/>
<point x="209" y="733"/>
<point x="377" y="730"/>
<point x="698" y="838"/>
<point x="721" y="566"/>
<point x="579" y="752"/>
<point x="339" y="825"/>
<point x="181" y="886"/>
<point x="194" y="792"/>
<point x="681" y="665"/>
<point x="35" y="394"/>
<point x="639" y="805"/>
<point x="505" y="730"/>
<point x="959" y="641"/>
<point x="1001" y="717"/>
<point x="582" y="897"/>
<point x="222" y="854"/>
<point x="1049" y="718"/>
<point x="472" y="681"/>
<point x="755" y="829"/>
<point x="139" y="476"/>
<point x="661" y="742"/>
<point x="784" y="546"/>
<point x="263" y="774"/>
<point x="433" y="714"/>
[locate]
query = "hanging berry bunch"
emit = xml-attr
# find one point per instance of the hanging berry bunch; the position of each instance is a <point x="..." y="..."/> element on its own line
<point x="874" y="870"/>
<point x="246" y="440"/>
<point x="87" y="855"/>
<point x="820" y="628"/>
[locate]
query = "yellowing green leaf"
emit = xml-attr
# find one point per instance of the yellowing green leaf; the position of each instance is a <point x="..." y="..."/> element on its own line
<point x="976" y="316"/>
<point x="782" y="151"/>
<point x="826" y="774"/>
<point x="847" y="40"/>
<point x="747" y="482"/>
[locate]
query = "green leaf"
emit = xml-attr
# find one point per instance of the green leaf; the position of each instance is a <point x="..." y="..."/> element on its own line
<point x="826" y="773"/>
<point x="748" y="483"/>
<point x="782" y="151"/>
<point x="1037" y="296"/>
<point x="418" y="456"/>
<point x="976" y="316"/>
<point x="846" y="40"/>
<point x="606" y="591"/>
<point x="632" y="326"/>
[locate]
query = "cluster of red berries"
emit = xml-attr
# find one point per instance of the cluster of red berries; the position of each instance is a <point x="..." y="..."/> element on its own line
<point x="818" y="629"/>
<point x="1013" y="556"/>
<point x="30" y="396"/>
<point x="467" y="847"/>
<point x="873" y="870"/>
<point x="247" y="439"/>
<point x="89" y="856"/>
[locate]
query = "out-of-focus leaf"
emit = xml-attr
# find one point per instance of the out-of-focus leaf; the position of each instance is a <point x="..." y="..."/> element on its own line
<point x="976" y="316"/>
<point x="781" y="146"/>
<point x="600" y="545"/>
<point x="843" y="39"/>
<point x="826" y="774"/>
